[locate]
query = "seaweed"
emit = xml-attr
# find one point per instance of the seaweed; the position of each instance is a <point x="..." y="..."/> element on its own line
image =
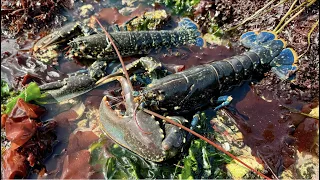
<point x="181" y="7"/>
<point x="204" y="162"/>
<point x="31" y="92"/>
<point x="27" y="15"/>
<point x="31" y="140"/>
<point x="200" y="161"/>
<point x="6" y="95"/>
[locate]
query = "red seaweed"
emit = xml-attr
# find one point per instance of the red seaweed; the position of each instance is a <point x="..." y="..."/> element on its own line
<point x="75" y="163"/>
<point x="14" y="165"/>
<point x="31" y="141"/>
<point x="112" y="15"/>
<point x="19" y="125"/>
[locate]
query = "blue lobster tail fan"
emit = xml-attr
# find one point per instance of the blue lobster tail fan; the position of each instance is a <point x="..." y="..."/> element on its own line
<point x="283" y="72"/>
<point x="266" y="36"/>
<point x="186" y="23"/>
<point x="275" y="47"/>
<point x="284" y="63"/>
<point x="249" y="39"/>
<point x="286" y="57"/>
<point x="247" y="34"/>
<point x="252" y="39"/>
<point x="271" y="51"/>
<point x="200" y="42"/>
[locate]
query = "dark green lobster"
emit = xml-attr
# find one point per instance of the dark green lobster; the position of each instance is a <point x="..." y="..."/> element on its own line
<point x="86" y="43"/>
<point x="186" y="91"/>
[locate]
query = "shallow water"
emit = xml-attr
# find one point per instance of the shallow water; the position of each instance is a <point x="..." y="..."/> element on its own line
<point x="261" y="123"/>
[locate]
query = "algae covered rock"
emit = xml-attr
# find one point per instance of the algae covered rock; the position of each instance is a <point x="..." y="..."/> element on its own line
<point x="151" y="20"/>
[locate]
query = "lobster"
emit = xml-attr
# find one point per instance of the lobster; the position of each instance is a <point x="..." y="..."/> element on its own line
<point x="85" y="43"/>
<point x="181" y="93"/>
<point x="186" y="92"/>
<point x="178" y="93"/>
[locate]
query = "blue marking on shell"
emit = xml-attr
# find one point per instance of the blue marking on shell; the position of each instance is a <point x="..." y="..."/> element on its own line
<point x="263" y="53"/>
<point x="275" y="47"/>
<point x="187" y="24"/>
<point x="249" y="40"/>
<point x="197" y="33"/>
<point x="265" y="36"/>
<point x="283" y="71"/>
<point x="199" y="42"/>
<point x="247" y="34"/>
<point x="286" y="57"/>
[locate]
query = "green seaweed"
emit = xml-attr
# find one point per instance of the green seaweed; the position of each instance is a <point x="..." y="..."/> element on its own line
<point x="123" y="164"/>
<point x="200" y="161"/>
<point x="203" y="162"/>
<point x="181" y="7"/>
<point x="5" y="89"/>
<point x="6" y="95"/>
<point x="31" y="92"/>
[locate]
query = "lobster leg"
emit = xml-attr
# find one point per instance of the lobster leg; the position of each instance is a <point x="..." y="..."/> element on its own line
<point x="148" y="63"/>
<point x="68" y="88"/>
<point x="224" y="100"/>
<point x="194" y="123"/>
<point x="127" y="22"/>
<point x="116" y="28"/>
<point x="145" y="70"/>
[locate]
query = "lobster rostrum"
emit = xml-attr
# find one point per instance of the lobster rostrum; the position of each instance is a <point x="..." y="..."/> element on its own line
<point x="188" y="91"/>
<point x="89" y="44"/>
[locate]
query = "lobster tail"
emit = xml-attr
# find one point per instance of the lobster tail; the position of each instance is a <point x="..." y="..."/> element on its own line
<point x="271" y="51"/>
<point x="252" y="39"/>
<point x="284" y="63"/>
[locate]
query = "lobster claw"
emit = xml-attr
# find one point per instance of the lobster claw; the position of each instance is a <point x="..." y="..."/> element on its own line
<point x="129" y="130"/>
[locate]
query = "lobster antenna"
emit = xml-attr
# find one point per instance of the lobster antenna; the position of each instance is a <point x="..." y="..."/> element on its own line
<point x="125" y="72"/>
<point x="277" y="31"/>
<point x="251" y="17"/>
<point x="205" y="139"/>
